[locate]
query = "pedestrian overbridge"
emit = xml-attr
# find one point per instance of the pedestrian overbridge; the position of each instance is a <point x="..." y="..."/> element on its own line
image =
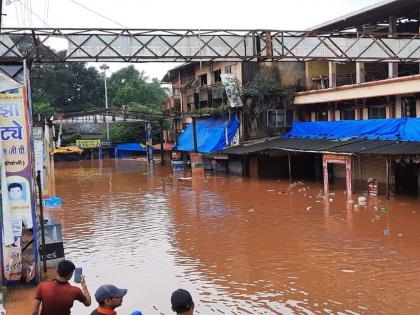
<point x="185" y="45"/>
<point x="106" y="116"/>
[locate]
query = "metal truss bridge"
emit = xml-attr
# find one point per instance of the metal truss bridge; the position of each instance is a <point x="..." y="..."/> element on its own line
<point x="182" y="45"/>
<point x="110" y="115"/>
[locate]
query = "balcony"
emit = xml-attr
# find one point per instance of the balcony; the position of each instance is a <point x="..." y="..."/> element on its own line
<point x="388" y="87"/>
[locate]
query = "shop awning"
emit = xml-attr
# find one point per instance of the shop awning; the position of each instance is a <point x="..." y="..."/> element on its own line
<point x="321" y="146"/>
<point x="213" y="135"/>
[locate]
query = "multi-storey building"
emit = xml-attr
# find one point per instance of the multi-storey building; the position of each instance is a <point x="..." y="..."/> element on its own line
<point x="198" y="87"/>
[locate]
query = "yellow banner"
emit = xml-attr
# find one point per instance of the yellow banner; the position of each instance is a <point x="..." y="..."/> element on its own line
<point x="88" y="144"/>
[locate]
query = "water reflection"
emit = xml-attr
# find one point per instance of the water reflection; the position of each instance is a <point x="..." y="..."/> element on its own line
<point x="240" y="246"/>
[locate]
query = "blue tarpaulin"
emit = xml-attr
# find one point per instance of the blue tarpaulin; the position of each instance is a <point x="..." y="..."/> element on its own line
<point x="127" y="149"/>
<point x="401" y="129"/>
<point x="212" y="135"/>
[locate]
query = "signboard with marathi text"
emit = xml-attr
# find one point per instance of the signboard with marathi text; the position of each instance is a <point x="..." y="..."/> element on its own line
<point x="88" y="144"/>
<point x="19" y="241"/>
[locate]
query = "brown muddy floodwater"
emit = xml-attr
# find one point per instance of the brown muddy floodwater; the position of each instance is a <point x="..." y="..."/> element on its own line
<point x="240" y="246"/>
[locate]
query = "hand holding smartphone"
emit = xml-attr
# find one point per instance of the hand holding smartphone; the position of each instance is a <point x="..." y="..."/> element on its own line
<point x="78" y="275"/>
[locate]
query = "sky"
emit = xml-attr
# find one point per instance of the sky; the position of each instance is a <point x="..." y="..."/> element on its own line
<point x="185" y="14"/>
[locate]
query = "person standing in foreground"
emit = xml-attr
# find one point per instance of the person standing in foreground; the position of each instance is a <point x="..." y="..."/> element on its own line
<point x="182" y="302"/>
<point x="109" y="298"/>
<point x="56" y="297"/>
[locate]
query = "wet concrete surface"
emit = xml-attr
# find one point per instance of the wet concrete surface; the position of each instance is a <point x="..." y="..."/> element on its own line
<point x="240" y="246"/>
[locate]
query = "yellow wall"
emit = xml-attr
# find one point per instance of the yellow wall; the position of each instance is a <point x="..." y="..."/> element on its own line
<point x="316" y="68"/>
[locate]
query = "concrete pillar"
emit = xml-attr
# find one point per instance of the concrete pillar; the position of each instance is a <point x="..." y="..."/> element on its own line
<point x="337" y="115"/>
<point x="332" y="74"/>
<point x="313" y="116"/>
<point x="398" y="106"/>
<point x="392" y="29"/>
<point x="331" y="115"/>
<point x="358" y="114"/>
<point x="388" y="112"/>
<point x="307" y="76"/>
<point x="253" y="167"/>
<point x="417" y="107"/>
<point x="360" y="72"/>
<point x="365" y="113"/>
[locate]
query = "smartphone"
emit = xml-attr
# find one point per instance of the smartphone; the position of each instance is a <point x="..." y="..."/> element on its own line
<point x="78" y="275"/>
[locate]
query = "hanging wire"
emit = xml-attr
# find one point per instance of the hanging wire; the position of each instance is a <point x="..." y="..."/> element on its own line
<point x="47" y="10"/>
<point x="97" y="13"/>
<point x="33" y="13"/>
<point x="17" y="14"/>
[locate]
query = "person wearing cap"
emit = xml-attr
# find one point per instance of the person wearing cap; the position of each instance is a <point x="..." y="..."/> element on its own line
<point x="182" y="302"/>
<point x="56" y="297"/>
<point x="109" y="298"/>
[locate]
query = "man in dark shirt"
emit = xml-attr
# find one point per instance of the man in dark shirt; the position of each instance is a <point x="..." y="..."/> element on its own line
<point x="56" y="297"/>
<point x="109" y="298"/>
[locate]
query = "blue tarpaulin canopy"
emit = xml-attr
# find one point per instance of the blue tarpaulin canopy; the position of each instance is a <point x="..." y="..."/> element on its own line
<point x="127" y="149"/>
<point x="212" y="135"/>
<point x="398" y="129"/>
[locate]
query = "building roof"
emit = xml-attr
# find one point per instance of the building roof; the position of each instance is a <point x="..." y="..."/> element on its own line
<point x="349" y="147"/>
<point x="167" y="78"/>
<point x="373" y="14"/>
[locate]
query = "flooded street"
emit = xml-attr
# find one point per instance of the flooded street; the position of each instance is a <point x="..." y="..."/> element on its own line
<point x="241" y="246"/>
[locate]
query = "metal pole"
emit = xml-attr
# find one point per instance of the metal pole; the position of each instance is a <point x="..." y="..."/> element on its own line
<point x="290" y="168"/>
<point x="41" y="215"/>
<point x="104" y="67"/>
<point x="162" y="153"/>
<point x="194" y="122"/>
<point x="387" y="177"/>
<point x="1" y="13"/>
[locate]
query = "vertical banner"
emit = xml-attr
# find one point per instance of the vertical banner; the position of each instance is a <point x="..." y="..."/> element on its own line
<point x="19" y="245"/>
<point x="149" y="144"/>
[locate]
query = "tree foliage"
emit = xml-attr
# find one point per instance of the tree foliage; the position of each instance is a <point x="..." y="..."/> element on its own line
<point x="67" y="87"/>
<point x="130" y="86"/>
<point x="74" y="87"/>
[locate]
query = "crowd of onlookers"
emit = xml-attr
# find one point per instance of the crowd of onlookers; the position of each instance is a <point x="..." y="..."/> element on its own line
<point x="56" y="297"/>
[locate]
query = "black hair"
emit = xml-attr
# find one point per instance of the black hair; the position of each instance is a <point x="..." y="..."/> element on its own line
<point x="65" y="268"/>
<point x="183" y="308"/>
<point x="14" y="185"/>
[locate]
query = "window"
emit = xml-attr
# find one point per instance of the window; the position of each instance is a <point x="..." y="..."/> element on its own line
<point x="408" y="107"/>
<point x="348" y="114"/>
<point x="279" y="118"/>
<point x="378" y="112"/>
<point x="176" y="92"/>
<point x="321" y="116"/>
<point x="203" y="80"/>
<point x="228" y="69"/>
<point x="217" y="76"/>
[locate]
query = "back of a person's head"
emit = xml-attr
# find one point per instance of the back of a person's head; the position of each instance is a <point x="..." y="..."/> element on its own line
<point x="65" y="268"/>
<point x="181" y="301"/>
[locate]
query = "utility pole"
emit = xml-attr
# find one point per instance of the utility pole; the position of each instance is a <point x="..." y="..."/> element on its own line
<point x="194" y="125"/>
<point x="104" y="67"/>
<point x="1" y="13"/>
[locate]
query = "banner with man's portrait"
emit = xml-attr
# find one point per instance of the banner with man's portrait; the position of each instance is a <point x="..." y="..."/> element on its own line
<point x="19" y="241"/>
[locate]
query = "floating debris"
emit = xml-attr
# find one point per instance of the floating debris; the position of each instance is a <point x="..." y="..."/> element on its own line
<point x="386" y="231"/>
<point x="384" y="209"/>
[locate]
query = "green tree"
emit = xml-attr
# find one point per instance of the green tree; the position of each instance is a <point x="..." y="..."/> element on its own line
<point x="67" y="86"/>
<point x="130" y="86"/>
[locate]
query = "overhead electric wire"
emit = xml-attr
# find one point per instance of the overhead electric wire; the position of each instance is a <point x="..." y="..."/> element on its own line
<point x="97" y="13"/>
<point x="33" y="13"/>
